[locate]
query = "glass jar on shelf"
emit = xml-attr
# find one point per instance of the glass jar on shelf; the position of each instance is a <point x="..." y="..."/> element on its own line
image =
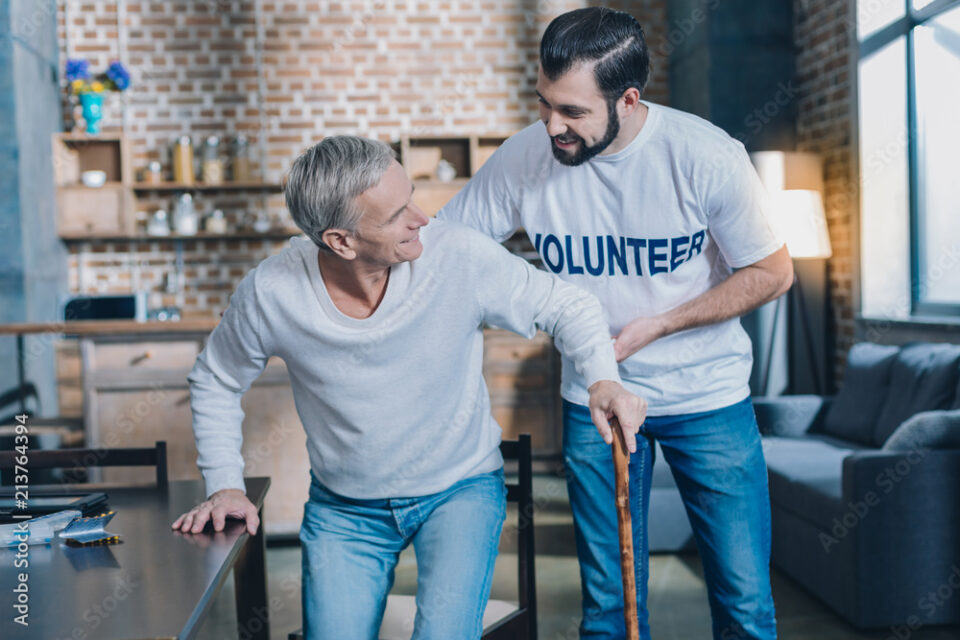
<point x="215" y="222"/>
<point x="183" y="160"/>
<point x="154" y="173"/>
<point x="185" y="220"/>
<point x="212" y="168"/>
<point x="158" y="225"/>
<point x="241" y="159"/>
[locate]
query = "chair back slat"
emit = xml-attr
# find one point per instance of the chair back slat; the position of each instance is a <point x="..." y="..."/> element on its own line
<point x="521" y="492"/>
<point x="155" y="456"/>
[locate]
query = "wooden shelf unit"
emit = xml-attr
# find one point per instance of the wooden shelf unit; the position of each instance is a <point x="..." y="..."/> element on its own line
<point x="420" y="155"/>
<point x="280" y="234"/>
<point x="109" y="212"/>
<point x="146" y="187"/>
<point x="91" y="211"/>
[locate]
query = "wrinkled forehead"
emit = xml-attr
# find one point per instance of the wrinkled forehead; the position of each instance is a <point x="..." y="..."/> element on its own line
<point x="385" y="198"/>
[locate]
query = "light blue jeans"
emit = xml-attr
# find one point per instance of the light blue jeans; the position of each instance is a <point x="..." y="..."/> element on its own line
<point x="717" y="462"/>
<point x="350" y="549"/>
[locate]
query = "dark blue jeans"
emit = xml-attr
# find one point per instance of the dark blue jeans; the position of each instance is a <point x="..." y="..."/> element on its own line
<point x="717" y="462"/>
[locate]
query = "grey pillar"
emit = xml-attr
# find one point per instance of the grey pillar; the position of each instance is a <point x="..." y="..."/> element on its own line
<point x="33" y="270"/>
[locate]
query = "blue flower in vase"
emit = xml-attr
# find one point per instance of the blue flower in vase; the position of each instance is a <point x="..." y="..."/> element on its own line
<point x="77" y="69"/>
<point x="118" y="75"/>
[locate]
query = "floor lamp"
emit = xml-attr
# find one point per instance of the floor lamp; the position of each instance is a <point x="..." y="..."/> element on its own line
<point x="794" y="183"/>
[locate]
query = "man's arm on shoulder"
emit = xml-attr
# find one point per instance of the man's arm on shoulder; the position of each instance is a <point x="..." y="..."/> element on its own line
<point x="745" y="290"/>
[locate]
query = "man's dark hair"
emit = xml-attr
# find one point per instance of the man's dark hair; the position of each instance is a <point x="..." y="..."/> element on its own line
<point x="612" y="39"/>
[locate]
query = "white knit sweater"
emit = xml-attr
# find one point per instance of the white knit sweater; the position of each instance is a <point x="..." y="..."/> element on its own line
<point x="394" y="405"/>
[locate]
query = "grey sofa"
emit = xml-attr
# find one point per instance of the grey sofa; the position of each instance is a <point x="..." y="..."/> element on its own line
<point x="865" y="487"/>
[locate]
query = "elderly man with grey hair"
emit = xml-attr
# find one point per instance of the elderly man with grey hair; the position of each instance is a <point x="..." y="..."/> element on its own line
<point x="378" y="315"/>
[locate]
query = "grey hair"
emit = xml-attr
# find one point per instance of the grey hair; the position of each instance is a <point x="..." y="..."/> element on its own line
<point x="323" y="184"/>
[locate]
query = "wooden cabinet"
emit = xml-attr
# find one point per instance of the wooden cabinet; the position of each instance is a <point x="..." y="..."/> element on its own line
<point x="92" y="211"/>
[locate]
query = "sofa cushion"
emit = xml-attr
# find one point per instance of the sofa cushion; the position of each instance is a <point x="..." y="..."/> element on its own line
<point x="927" y="430"/>
<point x="853" y="414"/>
<point x="924" y="378"/>
<point x="806" y="475"/>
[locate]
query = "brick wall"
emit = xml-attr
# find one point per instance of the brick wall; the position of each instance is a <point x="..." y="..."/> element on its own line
<point x="380" y="68"/>
<point x="826" y="44"/>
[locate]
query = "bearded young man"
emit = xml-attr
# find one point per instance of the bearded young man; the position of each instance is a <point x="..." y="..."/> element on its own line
<point x="661" y="215"/>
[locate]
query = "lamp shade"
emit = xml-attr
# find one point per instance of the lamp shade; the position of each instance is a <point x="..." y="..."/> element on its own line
<point x="799" y="218"/>
<point x="794" y="181"/>
<point x="783" y="170"/>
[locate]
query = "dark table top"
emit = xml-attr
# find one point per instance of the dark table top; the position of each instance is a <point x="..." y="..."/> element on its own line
<point x="156" y="583"/>
<point x="202" y="324"/>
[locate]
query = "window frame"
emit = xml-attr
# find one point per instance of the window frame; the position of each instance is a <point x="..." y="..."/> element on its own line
<point x="904" y="27"/>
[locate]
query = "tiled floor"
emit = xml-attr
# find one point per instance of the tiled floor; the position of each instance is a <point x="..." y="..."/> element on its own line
<point x="677" y="600"/>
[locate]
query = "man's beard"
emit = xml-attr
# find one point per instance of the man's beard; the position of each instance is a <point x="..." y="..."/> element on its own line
<point x="585" y="152"/>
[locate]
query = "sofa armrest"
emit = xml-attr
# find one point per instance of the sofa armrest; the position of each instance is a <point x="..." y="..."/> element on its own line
<point x="901" y="514"/>
<point x="790" y="416"/>
<point x="919" y="480"/>
<point x="908" y="501"/>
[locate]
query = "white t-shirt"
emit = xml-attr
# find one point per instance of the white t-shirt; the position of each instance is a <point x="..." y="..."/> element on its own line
<point x="394" y="405"/>
<point x="644" y="229"/>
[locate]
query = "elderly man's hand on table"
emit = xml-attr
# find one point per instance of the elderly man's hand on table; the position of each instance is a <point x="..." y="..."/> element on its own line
<point x="609" y="399"/>
<point x="226" y="503"/>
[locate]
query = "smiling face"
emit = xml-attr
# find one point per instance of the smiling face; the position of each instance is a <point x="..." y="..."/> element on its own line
<point x="388" y="232"/>
<point x="579" y="119"/>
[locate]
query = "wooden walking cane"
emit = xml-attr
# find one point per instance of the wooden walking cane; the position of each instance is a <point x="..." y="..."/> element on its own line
<point x="621" y="469"/>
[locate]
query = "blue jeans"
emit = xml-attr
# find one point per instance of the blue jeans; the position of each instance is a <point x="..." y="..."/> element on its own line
<point x="717" y="462"/>
<point x="350" y="549"/>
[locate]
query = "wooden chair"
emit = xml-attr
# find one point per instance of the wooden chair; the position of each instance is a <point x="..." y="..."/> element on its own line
<point x="502" y="620"/>
<point x="84" y="458"/>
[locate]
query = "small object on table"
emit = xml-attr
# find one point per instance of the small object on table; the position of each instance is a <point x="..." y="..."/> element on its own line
<point x="94" y="179"/>
<point x="40" y="530"/>
<point x="88" y="531"/>
<point x="621" y="470"/>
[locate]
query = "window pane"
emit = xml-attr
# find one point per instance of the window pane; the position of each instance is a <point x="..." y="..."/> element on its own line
<point x="920" y="4"/>
<point x="873" y="15"/>
<point x="884" y="211"/>
<point x="937" y="58"/>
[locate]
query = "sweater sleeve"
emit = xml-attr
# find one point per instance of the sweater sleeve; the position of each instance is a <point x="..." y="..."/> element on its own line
<point x="232" y="359"/>
<point x="517" y="296"/>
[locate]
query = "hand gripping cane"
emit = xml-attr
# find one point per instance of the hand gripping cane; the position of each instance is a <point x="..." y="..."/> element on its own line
<point x="621" y="469"/>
